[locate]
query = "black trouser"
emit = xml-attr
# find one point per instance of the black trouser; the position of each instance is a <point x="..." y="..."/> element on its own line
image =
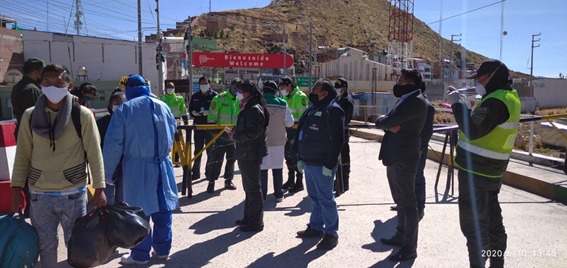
<point x="221" y="148"/>
<point x="344" y="167"/>
<point x="480" y="217"/>
<point x="201" y="138"/>
<point x="291" y="163"/>
<point x="253" y="203"/>
<point x="401" y="177"/>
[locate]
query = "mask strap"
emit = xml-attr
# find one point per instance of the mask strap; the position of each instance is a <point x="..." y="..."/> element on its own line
<point x="492" y="74"/>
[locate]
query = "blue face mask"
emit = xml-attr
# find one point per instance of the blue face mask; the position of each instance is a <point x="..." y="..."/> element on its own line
<point x="87" y="99"/>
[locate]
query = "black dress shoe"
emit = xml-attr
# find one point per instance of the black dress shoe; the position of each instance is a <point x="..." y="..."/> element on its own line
<point x="296" y="188"/>
<point x="287" y="185"/>
<point x="310" y="233"/>
<point x="403" y="255"/>
<point x="394" y="241"/>
<point x="195" y="176"/>
<point x="251" y="227"/>
<point x="241" y="222"/>
<point x="394" y="208"/>
<point x="211" y="187"/>
<point x="229" y="185"/>
<point x="328" y="242"/>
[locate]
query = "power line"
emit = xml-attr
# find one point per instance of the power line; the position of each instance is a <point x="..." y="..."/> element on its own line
<point x="473" y="10"/>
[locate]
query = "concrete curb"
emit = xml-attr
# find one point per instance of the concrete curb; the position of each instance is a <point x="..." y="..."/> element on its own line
<point x="516" y="180"/>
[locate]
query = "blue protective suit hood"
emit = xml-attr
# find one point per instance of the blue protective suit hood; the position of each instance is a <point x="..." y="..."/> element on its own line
<point x="136" y="86"/>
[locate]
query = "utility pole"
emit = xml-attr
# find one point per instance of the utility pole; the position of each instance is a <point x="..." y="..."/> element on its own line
<point x="501" y="30"/>
<point x="140" y="68"/>
<point x="160" y="59"/>
<point x="78" y="16"/>
<point x="532" y="57"/>
<point x="532" y="61"/>
<point x="284" y="53"/>
<point x="452" y="69"/>
<point x="189" y="49"/>
<point x="310" y="53"/>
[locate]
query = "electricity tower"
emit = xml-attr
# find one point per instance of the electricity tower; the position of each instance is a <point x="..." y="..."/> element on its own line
<point x="400" y="36"/>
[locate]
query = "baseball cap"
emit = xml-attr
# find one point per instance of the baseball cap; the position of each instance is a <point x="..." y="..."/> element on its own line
<point x="487" y="67"/>
<point x="286" y="80"/>
<point x="270" y="86"/>
<point x="340" y="83"/>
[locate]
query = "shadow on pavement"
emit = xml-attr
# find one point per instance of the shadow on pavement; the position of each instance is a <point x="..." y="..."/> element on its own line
<point x="300" y="256"/>
<point x="219" y="220"/>
<point x="385" y="263"/>
<point x="301" y="208"/>
<point x="382" y="230"/>
<point x="385" y="230"/>
<point x="201" y="254"/>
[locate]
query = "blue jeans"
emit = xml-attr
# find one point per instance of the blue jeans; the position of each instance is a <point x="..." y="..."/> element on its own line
<point x="114" y="193"/>
<point x="420" y="181"/>
<point x="278" y="181"/>
<point x="325" y="216"/>
<point x="46" y="213"/>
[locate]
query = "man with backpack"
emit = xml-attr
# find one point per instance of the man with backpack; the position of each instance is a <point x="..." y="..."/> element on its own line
<point x="52" y="154"/>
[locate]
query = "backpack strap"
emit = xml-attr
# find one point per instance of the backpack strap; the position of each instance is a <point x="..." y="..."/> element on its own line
<point x="76" y="118"/>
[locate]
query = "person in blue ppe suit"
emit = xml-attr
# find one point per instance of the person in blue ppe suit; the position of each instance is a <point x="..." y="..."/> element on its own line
<point x="141" y="131"/>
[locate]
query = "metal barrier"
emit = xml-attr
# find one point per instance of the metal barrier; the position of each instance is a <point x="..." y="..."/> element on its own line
<point x="182" y="147"/>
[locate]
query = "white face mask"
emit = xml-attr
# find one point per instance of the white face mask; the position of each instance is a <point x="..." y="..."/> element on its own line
<point x="239" y="96"/>
<point x="480" y="90"/>
<point x="114" y="107"/>
<point x="170" y="90"/>
<point x="54" y="94"/>
<point x="204" y="88"/>
<point x="284" y="93"/>
<point x="338" y="91"/>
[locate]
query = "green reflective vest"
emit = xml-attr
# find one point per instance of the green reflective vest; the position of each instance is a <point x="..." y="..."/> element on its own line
<point x="498" y="143"/>
<point x="224" y="109"/>
<point x="297" y="102"/>
<point x="176" y="103"/>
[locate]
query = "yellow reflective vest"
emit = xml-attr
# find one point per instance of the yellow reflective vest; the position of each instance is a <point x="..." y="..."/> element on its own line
<point x="496" y="146"/>
<point x="224" y="109"/>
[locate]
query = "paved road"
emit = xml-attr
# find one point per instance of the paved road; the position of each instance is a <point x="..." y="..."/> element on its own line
<point x="205" y="235"/>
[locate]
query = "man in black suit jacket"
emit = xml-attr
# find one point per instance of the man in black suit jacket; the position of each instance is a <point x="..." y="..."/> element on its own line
<point x="399" y="152"/>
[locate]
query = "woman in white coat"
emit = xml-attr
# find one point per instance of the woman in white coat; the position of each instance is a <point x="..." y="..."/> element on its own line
<point x="280" y="119"/>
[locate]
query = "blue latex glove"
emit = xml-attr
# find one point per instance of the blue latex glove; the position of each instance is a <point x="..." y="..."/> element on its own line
<point x="327" y="172"/>
<point x="300" y="166"/>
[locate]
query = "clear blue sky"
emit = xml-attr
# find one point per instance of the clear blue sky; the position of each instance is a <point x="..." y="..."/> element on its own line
<point x="480" y="29"/>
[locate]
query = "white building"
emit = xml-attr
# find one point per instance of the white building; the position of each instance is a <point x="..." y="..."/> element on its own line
<point x="355" y="66"/>
<point x="550" y="93"/>
<point x="104" y="59"/>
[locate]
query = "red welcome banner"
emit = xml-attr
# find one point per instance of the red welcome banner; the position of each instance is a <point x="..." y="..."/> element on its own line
<point x="241" y="60"/>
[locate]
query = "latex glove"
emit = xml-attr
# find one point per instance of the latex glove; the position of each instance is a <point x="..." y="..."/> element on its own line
<point x="453" y="97"/>
<point x="195" y="113"/>
<point x="300" y="166"/>
<point x="205" y="112"/>
<point x="327" y="172"/>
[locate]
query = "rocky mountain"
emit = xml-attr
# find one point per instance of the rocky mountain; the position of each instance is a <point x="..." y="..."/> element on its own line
<point x="361" y="24"/>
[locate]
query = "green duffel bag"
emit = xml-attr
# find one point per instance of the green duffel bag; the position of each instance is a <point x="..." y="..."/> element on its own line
<point x="18" y="242"/>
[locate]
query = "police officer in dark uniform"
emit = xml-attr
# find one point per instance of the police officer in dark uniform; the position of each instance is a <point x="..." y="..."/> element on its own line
<point x="344" y="99"/>
<point x="199" y="109"/>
